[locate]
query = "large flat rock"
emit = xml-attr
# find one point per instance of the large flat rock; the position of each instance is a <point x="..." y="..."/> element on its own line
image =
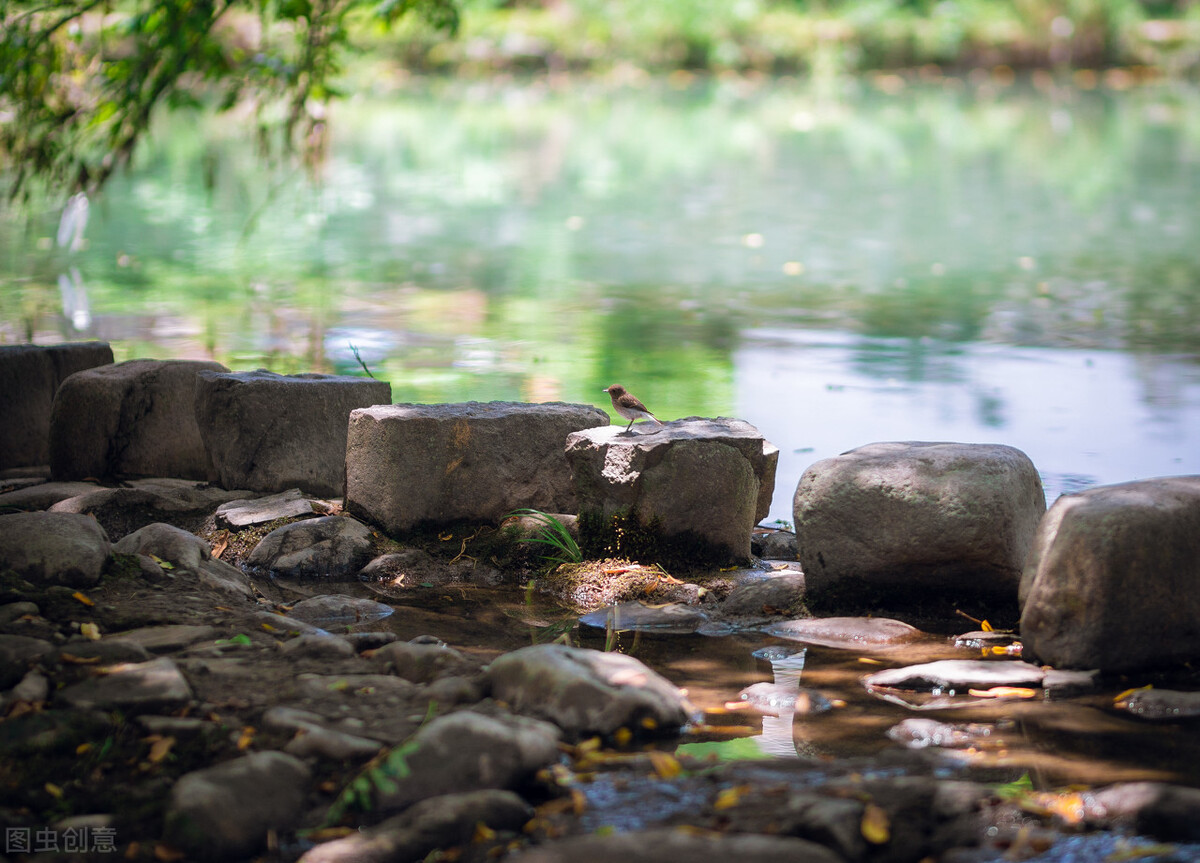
<point x="409" y="465"/>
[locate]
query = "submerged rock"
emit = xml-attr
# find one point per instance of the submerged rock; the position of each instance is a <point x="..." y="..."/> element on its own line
<point x="848" y="633"/>
<point x="673" y="618"/>
<point x="1162" y="704"/>
<point x="958" y="674"/>
<point x="919" y="733"/>
<point x="339" y="608"/>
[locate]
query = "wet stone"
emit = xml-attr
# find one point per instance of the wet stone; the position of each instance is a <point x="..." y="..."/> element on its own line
<point x="984" y="638"/>
<point x="779" y="698"/>
<point x="919" y="733"/>
<point x="958" y="674"/>
<point x="848" y="633"/>
<point x="369" y="640"/>
<point x="778" y="595"/>
<point x="670" y="619"/>
<point x="1163" y="704"/>
<point x="136" y="687"/>
<point x="328" y="547"/>
<point x="338" y="608"/>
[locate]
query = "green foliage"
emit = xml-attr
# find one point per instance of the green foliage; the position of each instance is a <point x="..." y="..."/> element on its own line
<point x="552" y="533"/>
<point x="81" y="82"/>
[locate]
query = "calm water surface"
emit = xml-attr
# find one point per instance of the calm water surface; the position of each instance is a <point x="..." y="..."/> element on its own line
<point x="957" y="260"/>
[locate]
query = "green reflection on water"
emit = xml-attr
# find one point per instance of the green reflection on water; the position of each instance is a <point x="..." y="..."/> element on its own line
<point x="528" y="242"/>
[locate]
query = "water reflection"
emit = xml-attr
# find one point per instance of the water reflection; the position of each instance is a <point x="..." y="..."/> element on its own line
<point x="1083" y="417"/>
<point x="947" y="262"/>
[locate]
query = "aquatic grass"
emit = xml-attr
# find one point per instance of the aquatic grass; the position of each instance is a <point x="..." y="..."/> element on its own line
<point x="553" y="533"/>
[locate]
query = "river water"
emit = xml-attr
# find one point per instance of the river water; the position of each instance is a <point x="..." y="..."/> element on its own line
<point x="952" y="259"/>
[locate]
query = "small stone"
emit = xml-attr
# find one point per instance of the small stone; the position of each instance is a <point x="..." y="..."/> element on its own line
<point x="166" y="542"/>
<point x="14" y="610"/>
<point x="328" y="547"/>
<point x="53" y="547"/>
<point x="18" y="654"/>
<point x="107" y="651"/>
<point x="134" y="687"/>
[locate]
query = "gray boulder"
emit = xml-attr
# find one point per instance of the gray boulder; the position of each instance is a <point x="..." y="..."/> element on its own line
<point x="915" y="518"/>
<point x="1114" y="578"/>
<point x="270" y="432"/>
<point x="712" y="478"/>
<point x="190" y="555"/>
<point x="132" y="419"/>
<point x="468" y="751"/>
<point x="587" y="691"/>
<point x="29" y="377"/>
<point x="53" y="548"/>
<point x="332" y="546"/>
<point x="409" y="465"/>
<point x="226" y="812"/>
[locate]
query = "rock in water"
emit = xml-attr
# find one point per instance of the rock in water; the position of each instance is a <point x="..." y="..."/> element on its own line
<point x="916" y="519"/>
<point x="1114" y="578"/>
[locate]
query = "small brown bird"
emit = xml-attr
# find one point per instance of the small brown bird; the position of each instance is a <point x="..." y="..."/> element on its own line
<point x="628" y="406"/>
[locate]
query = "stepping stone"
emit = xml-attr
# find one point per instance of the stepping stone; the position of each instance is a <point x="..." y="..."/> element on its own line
<point x="433" y="465"/>
<point x="141" y="687"/>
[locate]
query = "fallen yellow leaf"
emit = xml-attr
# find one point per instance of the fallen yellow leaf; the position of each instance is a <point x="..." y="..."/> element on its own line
<point x="167" y="854"/>
<point x="729" y="797"/>
<point x="246" y="738"/>
<point x="53" y="790"/>
<point x="483" y="833"/>
<point x="1128" y="692"/>
<point x="665" y="765"/>
<point x="1004" y="692"/>
<point x="90" y="631"/>
<point x="875" y="826"/>
<point x="622" y="736"/>
<point x="83" y="748"/>
<point x="82" y="598"/>
<point x="986" y="627"/>
<point x="159" y="747"/>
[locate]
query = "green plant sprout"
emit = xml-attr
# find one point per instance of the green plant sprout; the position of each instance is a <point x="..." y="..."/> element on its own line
<point x="553" y="533"/>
